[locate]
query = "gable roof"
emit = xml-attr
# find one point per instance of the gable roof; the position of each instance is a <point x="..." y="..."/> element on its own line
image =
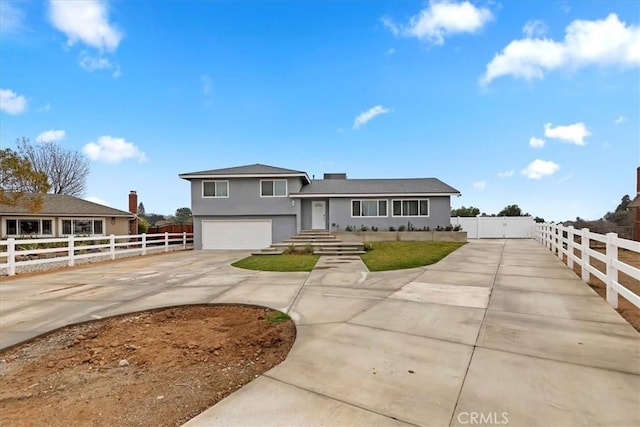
<point x="382" y="187"/>
<point x="248" y="171"/>
<point x="62" y="204"/>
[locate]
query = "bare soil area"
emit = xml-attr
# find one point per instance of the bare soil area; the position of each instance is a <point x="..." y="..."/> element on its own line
<point x="153" y="368"/>
<point x="630" y="312"/>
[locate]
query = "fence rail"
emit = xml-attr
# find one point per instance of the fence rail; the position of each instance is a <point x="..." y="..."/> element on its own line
<point x="564" y="241"/>
<point x="16" y="253"/>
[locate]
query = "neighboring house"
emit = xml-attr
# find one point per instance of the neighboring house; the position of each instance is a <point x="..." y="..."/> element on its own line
<point x="251" y="207"/>
<point x="63" y="215"/>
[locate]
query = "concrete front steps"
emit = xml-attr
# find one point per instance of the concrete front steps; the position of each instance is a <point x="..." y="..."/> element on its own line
<point x="321" y="242"/>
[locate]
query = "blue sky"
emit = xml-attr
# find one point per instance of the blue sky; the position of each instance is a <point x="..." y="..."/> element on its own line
<point x="535" y="103"/>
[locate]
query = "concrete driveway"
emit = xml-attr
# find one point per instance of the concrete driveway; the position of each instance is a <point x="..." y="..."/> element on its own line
<point x="499" y="332"/>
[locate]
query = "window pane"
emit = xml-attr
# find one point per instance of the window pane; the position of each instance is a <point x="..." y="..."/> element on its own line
<point x="410" y="208"/>
<point x="424" y="207"/>
<point x="11" y="226"/>
<point x="82" y="226"/>
<point x="280" y="188"/>
<point x="66" y="226"/>
<point x="97" y="226"/>
<point x="382" y="208"/>
<point x="46" y="226"/>
<point x="397" y="207"/>
<point x="222" y="189"/>
<point x="355" y="208"/>
<point x="29" y="226"/>
<point x="209" y="189"/>
<point x="267" y="188"/>
<point x="369" y="208"/>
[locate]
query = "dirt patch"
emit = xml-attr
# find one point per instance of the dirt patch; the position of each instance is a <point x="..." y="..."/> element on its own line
<point x="630" y="312"/>
<point x="153" y="368"/>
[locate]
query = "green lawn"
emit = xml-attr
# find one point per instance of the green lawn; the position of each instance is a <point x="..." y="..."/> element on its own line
<point x="398" y="255"/>
<point x="278" y="262"/>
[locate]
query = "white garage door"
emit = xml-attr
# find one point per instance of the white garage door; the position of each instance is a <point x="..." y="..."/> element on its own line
<point x="238" y="234"/>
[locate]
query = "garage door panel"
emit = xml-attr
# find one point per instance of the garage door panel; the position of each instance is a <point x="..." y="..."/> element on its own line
<point x="236" y="234"/>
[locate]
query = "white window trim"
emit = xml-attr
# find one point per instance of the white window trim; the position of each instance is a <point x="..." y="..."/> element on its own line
<point x="61" y="228"/>
<point x="369" y="200"/>
<point x="214" y="197"/>
<point x="412" y="216"/>
<point x="286" y="188"/>
<point x="18" y="218"/>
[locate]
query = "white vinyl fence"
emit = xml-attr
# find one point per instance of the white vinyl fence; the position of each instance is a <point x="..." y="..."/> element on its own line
<point x="564" y="241"/>
<point x="497" y="227"/>
<point x="41" y="254"/>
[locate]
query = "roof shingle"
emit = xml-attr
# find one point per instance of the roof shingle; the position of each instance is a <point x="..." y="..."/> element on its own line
<point x="62" y="204"/>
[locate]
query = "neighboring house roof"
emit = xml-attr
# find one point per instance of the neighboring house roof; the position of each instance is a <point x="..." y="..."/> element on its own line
<point x="635" y="203"/>
<point x="63" y="205"/>
<point x="248" y="171"/>
<point x="373" y="187"/>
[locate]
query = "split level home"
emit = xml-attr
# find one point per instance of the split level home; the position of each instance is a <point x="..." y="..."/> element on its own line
<point x="253" y="206"/>
<point x="62" y="215"/>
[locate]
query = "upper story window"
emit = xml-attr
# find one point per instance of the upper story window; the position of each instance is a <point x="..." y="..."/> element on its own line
<point x="29" y="226"/>
<point x="368" y="208"/>
<point x="411" y="207"/>
<point x="273" y="188"/>
<point x="215" y="188"/>
<point x="82" y="226"/>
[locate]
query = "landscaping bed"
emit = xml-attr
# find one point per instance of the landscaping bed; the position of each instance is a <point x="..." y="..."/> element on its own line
<point x="153" y="368"/>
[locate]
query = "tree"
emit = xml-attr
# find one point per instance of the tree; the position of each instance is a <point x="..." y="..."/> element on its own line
<point x="183" y="216"/>
<point x="511" y="210"/>
<point x="539" y="220"/>
<point x="66" y="170"/>
<point x="141" y="212"/>
<point x="154" y="218"/>
<point x="470" y="211"/>
<point x="20" y="184"/>
<point x="621" y="216"/>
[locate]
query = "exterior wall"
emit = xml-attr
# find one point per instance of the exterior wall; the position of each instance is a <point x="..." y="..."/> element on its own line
<point x="340" y="215"/>
<point x="119" y="227"/>
<point x="401" y="236"/>
<point x="282" y="226"/>
<point x="244" y="199"/>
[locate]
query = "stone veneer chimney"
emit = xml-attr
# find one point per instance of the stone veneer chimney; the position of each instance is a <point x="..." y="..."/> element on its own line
<point x="133" y="208"/>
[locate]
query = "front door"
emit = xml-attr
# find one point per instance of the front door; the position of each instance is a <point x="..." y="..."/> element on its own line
<point x="318" y="215"/>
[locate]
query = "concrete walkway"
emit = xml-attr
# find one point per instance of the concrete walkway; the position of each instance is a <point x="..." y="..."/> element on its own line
<point x="498" y="332"/>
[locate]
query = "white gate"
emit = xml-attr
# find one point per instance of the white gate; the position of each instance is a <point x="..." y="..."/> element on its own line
<point x="497" y="227"/>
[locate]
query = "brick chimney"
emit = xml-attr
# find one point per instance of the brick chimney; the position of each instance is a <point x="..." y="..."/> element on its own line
<point x="133" y="208"/>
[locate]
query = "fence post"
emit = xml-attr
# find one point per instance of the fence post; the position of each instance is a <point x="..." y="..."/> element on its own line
<point x="612" y="272"/>
<point x="144" y="243"/>
<point x="112" y="246"/>
<point x="584" y="250"/>
<point x="71" y="251"/>
<point x="184" y="240"/>
<point x="11" y="256"/>
<point x="570" y="243"/>
<point x="166" y="241"/>
<point x="560" y="245"/>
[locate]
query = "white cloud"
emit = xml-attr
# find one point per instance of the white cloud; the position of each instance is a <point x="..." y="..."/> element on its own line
<point x="604" y="42"/>
<point x="539" y="169"/>
<point x="440" y="19"/>
<point x="97" y="200"/>
<point x="86" y="22"/>
<point x="51" y="136"/>
<point x="534" y="28"/>
<point x="45" y="108"/>
<point x="506" y="174"/>
<point x="369" y="115"/>
<point x="91" y="63"/>
<point x="575" y="133"/>
<point x="536" y="142"/>
<point x="108" y="149"/>
<point x="11" y="18"/>
<point x="480" y="185"/>
<point x="620" y="119"/>
<point x="12" y="103"/>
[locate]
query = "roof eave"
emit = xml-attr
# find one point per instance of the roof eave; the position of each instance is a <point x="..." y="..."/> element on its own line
<point x="189" y="176"/>
<point x="335" y="195"/>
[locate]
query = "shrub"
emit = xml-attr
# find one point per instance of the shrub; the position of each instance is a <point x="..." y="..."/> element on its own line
<point x="392" y="228"/>
<point x="363" y="228"/>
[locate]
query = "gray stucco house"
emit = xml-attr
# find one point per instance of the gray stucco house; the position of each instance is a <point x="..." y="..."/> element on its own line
<point x="253" y="206"/>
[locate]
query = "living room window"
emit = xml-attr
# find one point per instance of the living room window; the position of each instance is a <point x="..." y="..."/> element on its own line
<point x="418" y="207"/>
<point x="368" y="208"/>
<point x="29" y="227"/>
<point x="273" y="188"/>
<point x="82" y="227"/>
<point x="215" y="188"/>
